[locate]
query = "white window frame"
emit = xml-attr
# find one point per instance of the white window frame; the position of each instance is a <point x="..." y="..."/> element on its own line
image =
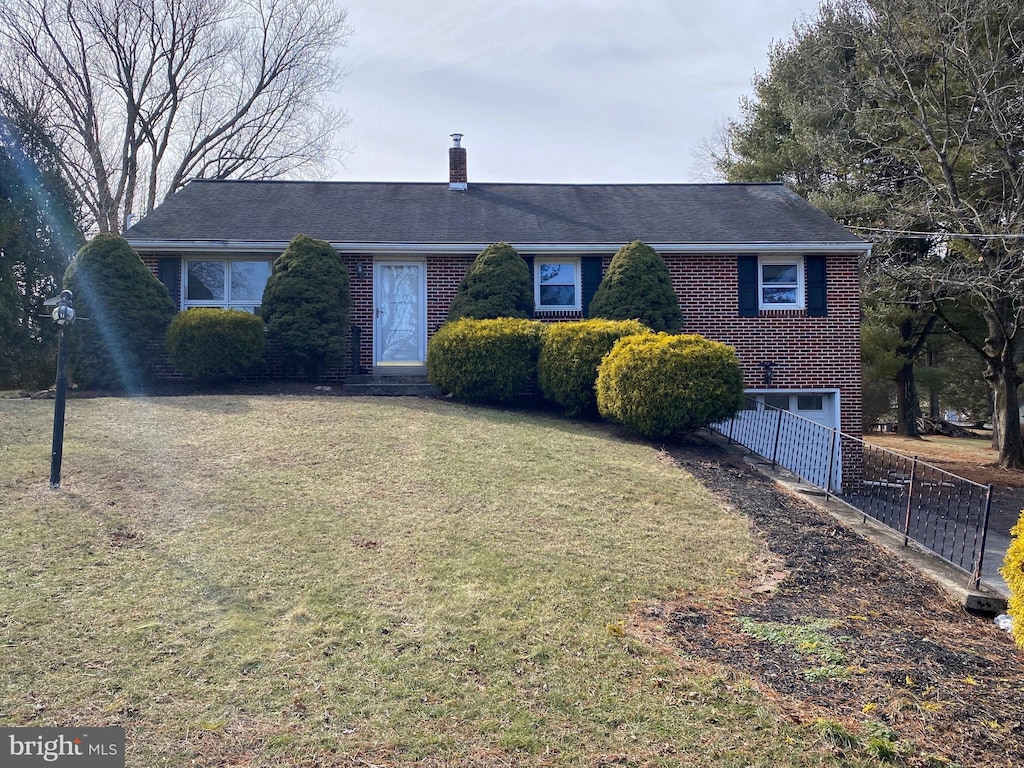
<point x="801" y="296"/>
<point x="226" y="302"/>
<point x="576" y="264"/>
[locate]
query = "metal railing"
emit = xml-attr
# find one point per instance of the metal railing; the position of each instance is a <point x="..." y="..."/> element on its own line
<point x="945" y="513"/>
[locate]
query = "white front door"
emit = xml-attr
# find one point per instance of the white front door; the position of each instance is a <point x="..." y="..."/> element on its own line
<point x="400" y="315"/>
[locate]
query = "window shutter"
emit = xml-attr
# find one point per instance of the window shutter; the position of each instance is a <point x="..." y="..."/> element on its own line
<point x="590" y="278"/>
<point x="529" y="266"/>
<point x="816" y="286"/>
<point x="169" y="273"/>
<point x="747" y="279"/>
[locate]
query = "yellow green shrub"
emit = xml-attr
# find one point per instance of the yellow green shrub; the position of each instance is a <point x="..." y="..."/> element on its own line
<point x="569" y="356"/>
<point x="658" y="384"/>
<point x="485" y="360"/>
<point x="1013" y="572"/>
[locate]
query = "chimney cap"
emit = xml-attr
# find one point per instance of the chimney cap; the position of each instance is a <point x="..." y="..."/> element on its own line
<point x="456" y="139"/>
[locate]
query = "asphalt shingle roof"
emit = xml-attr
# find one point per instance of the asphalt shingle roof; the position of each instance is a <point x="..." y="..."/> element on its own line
<point x="385" y="212"/>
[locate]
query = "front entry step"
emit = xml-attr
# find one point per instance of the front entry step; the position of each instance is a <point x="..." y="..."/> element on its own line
<point x="392" y="385"/>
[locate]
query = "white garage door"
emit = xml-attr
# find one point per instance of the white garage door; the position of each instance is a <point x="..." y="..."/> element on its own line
<point x="795" y="430"/>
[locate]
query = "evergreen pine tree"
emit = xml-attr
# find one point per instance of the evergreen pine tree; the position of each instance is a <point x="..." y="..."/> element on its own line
<point x="307" y="305"/>
<point x="498" y="284"/>
<point x="637" y="286"/>
<point x="125" y="312"/>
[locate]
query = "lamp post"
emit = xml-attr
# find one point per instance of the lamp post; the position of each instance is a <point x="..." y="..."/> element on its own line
<point x="63" y="315"/>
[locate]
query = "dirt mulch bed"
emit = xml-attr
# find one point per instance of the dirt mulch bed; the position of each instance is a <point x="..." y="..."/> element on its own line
<point x="844" y="637"/>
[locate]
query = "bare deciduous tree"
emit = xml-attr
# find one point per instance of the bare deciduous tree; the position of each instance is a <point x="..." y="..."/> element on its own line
<point x="909" y="115"/>
<point x="142" y="95"/>
<point x="943" y="83"/>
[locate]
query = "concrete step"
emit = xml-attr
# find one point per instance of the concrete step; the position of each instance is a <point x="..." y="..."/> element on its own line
<point x="390" y="385"/>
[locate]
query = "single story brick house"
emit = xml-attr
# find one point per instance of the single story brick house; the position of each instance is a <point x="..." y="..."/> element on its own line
<point x="754" y="265"/>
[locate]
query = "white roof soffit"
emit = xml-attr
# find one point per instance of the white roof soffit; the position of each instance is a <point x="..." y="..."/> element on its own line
<point x="392" y="249"/>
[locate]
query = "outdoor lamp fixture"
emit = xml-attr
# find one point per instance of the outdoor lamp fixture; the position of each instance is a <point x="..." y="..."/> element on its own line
<point x="63" y="315"/>
<point x="769" y="371"/>
<point x="360" y="270"/>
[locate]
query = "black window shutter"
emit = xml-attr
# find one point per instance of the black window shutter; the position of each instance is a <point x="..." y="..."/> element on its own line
<point x="816" y="287"/>
<point x="169" y="273"/>
<point x="747" y="274"/>
<point x="590" y="280"/>
<point x="529" y="265"/>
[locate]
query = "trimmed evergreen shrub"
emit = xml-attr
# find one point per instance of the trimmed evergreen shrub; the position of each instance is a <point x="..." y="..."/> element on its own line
<point x="498" y="284"/>
<point x="1013" y="572"/>
<point x="658" y="384"/>
<point x="215" y="344"/>
<point x="307" y="304"/>
<point x="637" y="286"/>
<point x="125" y="312"/>
<point x="569" y="356"/>
<point x="485" y="360"/>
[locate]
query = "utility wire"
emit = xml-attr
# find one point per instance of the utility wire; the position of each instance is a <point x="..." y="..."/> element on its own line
<point x="911" y="234"/>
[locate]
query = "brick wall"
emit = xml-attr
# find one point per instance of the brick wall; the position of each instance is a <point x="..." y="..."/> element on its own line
<point x="273" y="366"/>
<point x="805" y="352"/>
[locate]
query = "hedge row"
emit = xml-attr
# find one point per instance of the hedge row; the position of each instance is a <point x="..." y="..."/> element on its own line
<point x="485" y="360"/>
<point x="570" y="355"/>
<point x="653" y="383"/>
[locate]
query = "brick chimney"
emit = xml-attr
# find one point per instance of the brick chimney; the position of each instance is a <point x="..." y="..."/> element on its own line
<point x="457" y="175"/>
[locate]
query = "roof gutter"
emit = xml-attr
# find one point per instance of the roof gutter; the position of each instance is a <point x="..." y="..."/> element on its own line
<point x="422" y="249"/>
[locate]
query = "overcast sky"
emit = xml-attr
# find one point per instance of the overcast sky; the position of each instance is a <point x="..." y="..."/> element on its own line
<point x="549" y="90"/>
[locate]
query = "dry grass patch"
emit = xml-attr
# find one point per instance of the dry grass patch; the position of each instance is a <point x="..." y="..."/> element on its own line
<point x="282" y="581"/>
<point x="974" y="459"/>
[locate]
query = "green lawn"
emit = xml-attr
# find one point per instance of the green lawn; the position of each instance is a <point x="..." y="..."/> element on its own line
<point x="289" y="581"/>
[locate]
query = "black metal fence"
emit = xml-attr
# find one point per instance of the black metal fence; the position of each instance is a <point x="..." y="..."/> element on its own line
<point x="942" y="512"/>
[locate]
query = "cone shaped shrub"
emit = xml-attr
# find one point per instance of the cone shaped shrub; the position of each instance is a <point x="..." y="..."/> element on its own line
<point x="637" y="286"/>
<point x="1013" y="572"/>
<point x="569" y="356"/>
<point x="307" y="304"/>
<point x="215" y="344"/>
<point x="658" y="384"/>
<point x="125" y="312"/>
<point x="485" y="360"/>
<point x="498" y="284"/>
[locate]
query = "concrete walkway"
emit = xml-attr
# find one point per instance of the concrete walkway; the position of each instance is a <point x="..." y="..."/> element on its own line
<point x="989" y="598"/>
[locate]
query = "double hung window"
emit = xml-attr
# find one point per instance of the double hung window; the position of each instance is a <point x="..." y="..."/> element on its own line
<point x="225" y="283"/>
<point x="556" y="284"/>
<point x="780" y="283"/>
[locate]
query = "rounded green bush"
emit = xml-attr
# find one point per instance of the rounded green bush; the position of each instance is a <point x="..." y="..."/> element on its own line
<point x="658" y="384"/>
<point x="125" y="311"/>
<point x="485" y="360"/>
<point x="637" y="286"/>
<point x="215" y="344"/>
<point x="1013" y="572"/>
<point x="569" y="356"/>
<point x="307" y="305"/>
<point x="497" y="285"/>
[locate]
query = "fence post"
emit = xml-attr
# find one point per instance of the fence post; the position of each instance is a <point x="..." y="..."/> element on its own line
<point x="831" y="463"/>
<point x="778" y="432"/>
<point x="910" y="502"/>
<point x="980" y="557"/>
